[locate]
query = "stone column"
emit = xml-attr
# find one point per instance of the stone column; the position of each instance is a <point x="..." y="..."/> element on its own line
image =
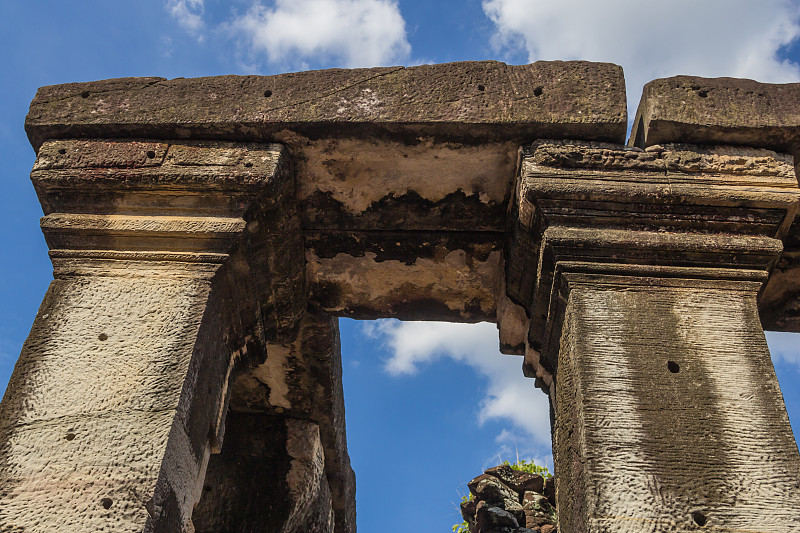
<point x="644" y="324"/>
<point x="120" y="392"/>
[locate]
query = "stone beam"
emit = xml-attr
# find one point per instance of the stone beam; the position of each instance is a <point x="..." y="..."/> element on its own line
<point x="644" y="330"/>
<point x="175" y="263"/>
<point x="470" y="102"/>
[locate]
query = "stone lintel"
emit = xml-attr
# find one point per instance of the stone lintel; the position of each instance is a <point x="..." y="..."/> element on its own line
<point x="692" y="109"/>
<point x="469" y="102"/>
<point x="421" y="275"/>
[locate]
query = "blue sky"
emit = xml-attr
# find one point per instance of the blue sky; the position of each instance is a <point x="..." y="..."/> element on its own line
<point x="428" y="405"/>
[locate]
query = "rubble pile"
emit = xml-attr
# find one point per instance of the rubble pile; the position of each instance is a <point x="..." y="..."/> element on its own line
<point x="504" y="500"/>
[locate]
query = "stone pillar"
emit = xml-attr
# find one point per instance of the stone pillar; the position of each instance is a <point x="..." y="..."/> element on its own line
<point x="644" y="322"/>
<point x="121" y="390"/>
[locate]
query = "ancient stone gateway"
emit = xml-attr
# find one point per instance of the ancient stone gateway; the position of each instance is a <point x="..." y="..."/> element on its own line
<point x="183" y="371"/>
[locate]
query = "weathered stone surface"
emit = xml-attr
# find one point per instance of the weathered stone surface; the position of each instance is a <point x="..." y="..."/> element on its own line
<point x="690" y="109"/>
<point x="406" y="275"/>
<point x="535" y="501"/>
<point x="516" y="479"/>
<point x="468" y="508"/>
<point x="269" y="476"/>
<point x="245" y="487"/>
<point x="490" y="518"/>
<point x="672" y="307"/>
<point x="699" y="341"/>
<point x="310" y="508"/>
<point x="470" y="101"/>
<point x="378" y="184"/>
<point x="189" y="201"/>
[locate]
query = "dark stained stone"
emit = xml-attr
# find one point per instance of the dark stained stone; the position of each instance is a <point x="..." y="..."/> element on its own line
<point x="468" y="509"/>
<point x="491" y="518"/>
<point x="690" y="109"/>
<point x="517" y="480"/>
<point x="465" y="102"/>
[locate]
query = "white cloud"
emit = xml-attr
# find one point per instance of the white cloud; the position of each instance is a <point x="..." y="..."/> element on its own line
<point x="784" y="347"/>
<point x="346" y="33"/>
<point x="189" y="14"/>
<point x="509" y="394"/>
<point x="653" y="39"/>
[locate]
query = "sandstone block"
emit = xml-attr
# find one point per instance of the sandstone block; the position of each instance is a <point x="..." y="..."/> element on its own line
<point x="468" y="509"/>
<point x="517" y="480"/>
<point x="691" y="109"/>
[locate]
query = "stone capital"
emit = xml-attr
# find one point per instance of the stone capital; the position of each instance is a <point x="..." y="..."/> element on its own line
<point x="677" y="211"/>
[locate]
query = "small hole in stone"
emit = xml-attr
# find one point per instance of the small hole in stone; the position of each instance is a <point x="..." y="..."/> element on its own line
<point x="103" y="337"/>
<point x="538" y="91"/>
<point x="106" y="503"/>
<point x="62" y="151"/>
<point x="150" y="154"/>
<point x="673" y="367"/>
<point x="69" y="436"/>
<point x="207" y="488"/>
<point x="702" y="94"/>
<point x="85" y="94"/>
<point x="481" y="88"/>
<point x="248" y="164"/>
<point x="699" y="518"/>
<point x="267" y="93"/>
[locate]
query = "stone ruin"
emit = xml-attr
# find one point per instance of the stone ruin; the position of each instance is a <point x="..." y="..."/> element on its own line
<point x="183" y="372"/>
<point x="506" y="500"/>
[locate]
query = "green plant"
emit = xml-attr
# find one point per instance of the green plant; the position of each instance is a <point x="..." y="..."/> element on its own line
<point x="529" y="466"/>
<point x="523" y="466"/>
